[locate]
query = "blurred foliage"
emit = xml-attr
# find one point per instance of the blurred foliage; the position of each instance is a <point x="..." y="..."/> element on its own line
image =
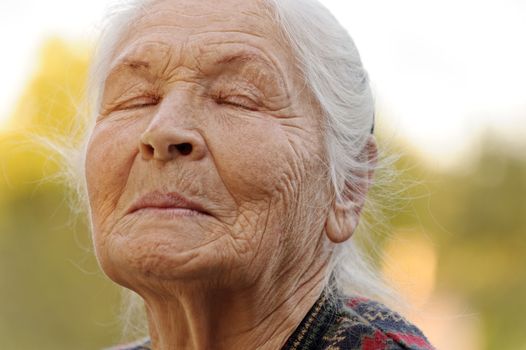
<point x="475" y="217"/>
<point x="53" y="96"/>
<point x="55" y="297"/>
<point x="483" y="256"/>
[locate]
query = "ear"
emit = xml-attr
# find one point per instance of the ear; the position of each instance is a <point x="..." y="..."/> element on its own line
<point x="344" y="215"/>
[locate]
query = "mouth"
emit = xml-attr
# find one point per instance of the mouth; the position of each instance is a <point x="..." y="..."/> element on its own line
<point x="168" y="203"/>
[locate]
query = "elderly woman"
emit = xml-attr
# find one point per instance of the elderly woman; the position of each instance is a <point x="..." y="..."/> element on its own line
<point x="226" y="171"/>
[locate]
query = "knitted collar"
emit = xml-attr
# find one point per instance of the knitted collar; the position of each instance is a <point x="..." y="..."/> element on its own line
<point x="308" y="335"/>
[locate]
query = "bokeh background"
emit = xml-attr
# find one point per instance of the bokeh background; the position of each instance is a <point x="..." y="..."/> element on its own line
<point x="449" y="78"/>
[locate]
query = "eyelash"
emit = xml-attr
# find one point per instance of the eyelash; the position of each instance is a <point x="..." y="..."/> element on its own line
<point x="224" y="100"/>
<point x="147" y="101"/>
<point x="139" y="102"/>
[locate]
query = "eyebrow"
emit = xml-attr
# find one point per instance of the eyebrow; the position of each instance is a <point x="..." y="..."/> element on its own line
<point x="130" y="64"/>
<point x="242" y="57"/>
<point x="135" y="64"/>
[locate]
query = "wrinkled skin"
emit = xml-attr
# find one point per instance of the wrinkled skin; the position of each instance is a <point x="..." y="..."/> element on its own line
<point x="203" y="99"/>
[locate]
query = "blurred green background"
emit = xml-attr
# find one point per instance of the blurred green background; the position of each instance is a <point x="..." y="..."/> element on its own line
<point x="457" y="248"/>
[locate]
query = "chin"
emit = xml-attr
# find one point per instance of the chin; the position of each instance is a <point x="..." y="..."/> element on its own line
<point x="160" y="257"/>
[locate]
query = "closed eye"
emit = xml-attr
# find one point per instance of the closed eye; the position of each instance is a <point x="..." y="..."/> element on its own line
<point x="139" y="102"/>
<point x="239" y="101"/>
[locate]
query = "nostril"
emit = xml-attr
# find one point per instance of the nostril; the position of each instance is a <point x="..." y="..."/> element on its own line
<point x="147" y="150"/>
<point x="183" y="148"/>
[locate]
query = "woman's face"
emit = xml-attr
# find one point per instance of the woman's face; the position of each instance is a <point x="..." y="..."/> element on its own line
<point x="206" y="161"/>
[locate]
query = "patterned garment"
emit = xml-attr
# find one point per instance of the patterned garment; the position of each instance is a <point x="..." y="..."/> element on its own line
<point x="360" y="324"/>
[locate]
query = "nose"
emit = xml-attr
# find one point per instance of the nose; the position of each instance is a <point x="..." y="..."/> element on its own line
<point x="167" y="142"/>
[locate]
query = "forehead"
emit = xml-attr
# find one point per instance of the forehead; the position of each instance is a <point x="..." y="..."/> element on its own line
<point x="196" y="14"/>
<point x="184" y="25"/>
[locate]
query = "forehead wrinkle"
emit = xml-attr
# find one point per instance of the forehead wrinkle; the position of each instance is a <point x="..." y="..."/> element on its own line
<point x="191" y="15"/>
<point x="200" y="8"/>
<point x="191" y="18"/>
<point x="173" y="16"/>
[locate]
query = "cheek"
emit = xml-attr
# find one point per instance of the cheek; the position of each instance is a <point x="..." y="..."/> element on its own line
<point x="252" y="157"/>
<point x="109" y="157"/>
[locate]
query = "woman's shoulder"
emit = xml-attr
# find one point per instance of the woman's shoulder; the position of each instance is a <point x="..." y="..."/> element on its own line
<point x="366" y="324"/>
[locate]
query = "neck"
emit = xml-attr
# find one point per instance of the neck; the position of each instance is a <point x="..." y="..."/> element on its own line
<point x="260" y="317"/>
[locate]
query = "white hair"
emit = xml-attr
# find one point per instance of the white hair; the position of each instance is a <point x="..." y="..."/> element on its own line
<point x="333" y="71"/>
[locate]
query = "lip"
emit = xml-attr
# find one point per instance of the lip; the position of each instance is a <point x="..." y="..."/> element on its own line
<point x="171" y="201"/>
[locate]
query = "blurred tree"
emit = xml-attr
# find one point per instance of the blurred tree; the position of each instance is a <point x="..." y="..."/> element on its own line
<point x="484" y="257"/>
<point x="476" y="218"/>
<point x="52" y="97"/>
<point x="53" y="294"/>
